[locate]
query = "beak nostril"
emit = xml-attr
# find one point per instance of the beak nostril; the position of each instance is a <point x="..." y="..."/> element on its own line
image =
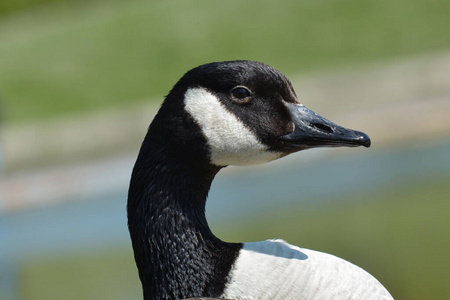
<point x="323" y="127"/>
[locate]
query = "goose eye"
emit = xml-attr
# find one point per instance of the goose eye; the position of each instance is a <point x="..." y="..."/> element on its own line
<point x="241" y="94"/>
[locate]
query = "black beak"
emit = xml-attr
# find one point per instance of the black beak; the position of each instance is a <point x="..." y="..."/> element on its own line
<point x="313" y="131"/>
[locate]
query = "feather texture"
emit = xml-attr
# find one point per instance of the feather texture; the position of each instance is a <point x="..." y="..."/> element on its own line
<point x="274" y="269"/>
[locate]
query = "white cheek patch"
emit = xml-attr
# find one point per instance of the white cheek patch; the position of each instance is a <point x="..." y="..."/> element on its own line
<point x="229" y="140"/>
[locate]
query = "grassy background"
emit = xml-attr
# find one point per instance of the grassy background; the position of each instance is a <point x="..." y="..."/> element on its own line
<point x="70" y="57"/>
<point x="76" y="56"/>
<point x="400" y="239"/>
<point x="7" y="7"/>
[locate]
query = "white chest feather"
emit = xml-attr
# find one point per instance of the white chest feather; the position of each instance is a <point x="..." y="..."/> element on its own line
<point x="229" y="140"/>
<point x="276" y="270"/>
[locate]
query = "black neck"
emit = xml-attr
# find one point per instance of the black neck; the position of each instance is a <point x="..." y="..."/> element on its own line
<point x="175" y="251"/>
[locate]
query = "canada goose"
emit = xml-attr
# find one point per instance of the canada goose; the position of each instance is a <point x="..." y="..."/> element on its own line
<point x="219" y="114"/>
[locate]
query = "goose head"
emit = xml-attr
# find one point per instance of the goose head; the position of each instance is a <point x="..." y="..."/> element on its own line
<point x="218" y="114"/>
<point x="244" y="113"/>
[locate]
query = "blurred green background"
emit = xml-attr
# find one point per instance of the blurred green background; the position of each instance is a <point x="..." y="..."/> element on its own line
<point x="81" y="80"/>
